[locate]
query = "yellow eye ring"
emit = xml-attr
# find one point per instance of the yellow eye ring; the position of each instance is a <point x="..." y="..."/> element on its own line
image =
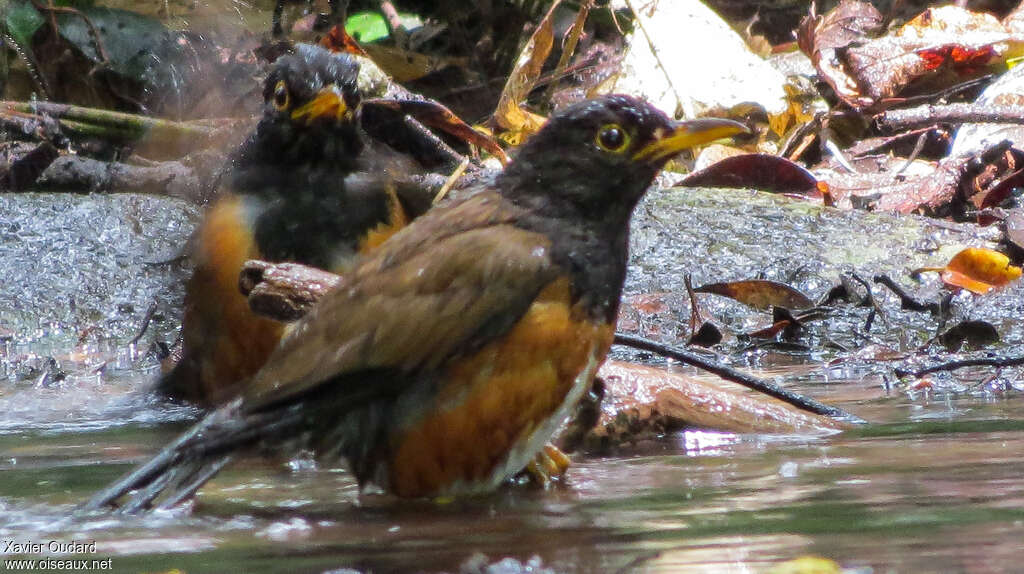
<point x="281" y="97"/>
<point x="611" y="137"/>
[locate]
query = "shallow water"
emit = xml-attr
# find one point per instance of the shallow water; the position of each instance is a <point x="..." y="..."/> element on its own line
<point x="934" y="484"/>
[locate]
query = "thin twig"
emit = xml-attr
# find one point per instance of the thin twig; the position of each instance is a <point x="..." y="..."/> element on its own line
<point x="907" y="301"/>
<point x="145" y="324"/>
<point x="953" y="365"/>
<point x="760" y="385"/>
<point x="276" y="29"/>
<point x="30" y="64"/>
<point x="891" y="140"/>
<point x="918" y="146"/>
<point x="450" y="182"/>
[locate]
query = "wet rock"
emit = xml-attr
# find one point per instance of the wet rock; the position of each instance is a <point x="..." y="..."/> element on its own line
<point x="88" y="267"/>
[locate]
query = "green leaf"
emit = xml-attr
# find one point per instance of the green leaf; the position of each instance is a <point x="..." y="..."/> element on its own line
<point x="366" y="26"/>
<point x="20" y="21"/>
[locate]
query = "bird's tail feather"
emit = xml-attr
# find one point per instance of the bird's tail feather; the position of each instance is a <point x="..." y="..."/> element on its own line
<point x="180" y="469"/>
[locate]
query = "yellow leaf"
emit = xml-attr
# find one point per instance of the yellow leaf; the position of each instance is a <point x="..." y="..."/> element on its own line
<point x="977" y="269"/>
<point x="509" y="114"/>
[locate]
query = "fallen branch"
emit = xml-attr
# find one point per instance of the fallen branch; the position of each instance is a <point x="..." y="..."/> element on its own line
<point x="895" y="120"/>
<point x="171" y="138"/>
<point x="77" y="174"/>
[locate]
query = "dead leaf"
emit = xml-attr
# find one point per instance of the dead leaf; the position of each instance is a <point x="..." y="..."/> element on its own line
<point x="703" y="330"/>
<point x="783" y="322"/>
<point x="509" y="114"/>
<point x="998" y="193"/>
<point x="401" y="65"/>
<point x="406" y="66"/>
<point x="760" y="294"/>
<point x="338" y="40"/>
<point x="976" y="269"/>
<point x="435" y="115"/>
<point x="975" y="334"/>
<point x="887" y="183"/>
<point x="755" y="171"/>
<point x="941" y="45"/>
<point x="822" y="37"/>
<point x="686" y="60"/>
<point x="708" y="335"/>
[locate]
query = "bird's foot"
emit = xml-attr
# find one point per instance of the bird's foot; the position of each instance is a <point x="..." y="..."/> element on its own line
<point x="550" y="463"/>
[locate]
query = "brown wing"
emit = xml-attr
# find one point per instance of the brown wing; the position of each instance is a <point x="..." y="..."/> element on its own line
<point x="454" y="279"/>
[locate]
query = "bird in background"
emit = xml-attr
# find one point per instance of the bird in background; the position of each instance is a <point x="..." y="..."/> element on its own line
<point x="306" y="186"/>
<point x="447" y="357"/>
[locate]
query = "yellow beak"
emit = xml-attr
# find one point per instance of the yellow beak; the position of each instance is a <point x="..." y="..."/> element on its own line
<point x="328" y="103"/>
<point x="687" y="134"/>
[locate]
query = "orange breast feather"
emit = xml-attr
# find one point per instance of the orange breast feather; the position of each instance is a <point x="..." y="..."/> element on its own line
<point x="229" y="341"/>
<point x="397" y="219"/>
<point x="490" y="403"/>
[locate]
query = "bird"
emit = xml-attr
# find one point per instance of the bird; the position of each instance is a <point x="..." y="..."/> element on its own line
<point x="445" y="359"/>
<point x="306" y="186"/>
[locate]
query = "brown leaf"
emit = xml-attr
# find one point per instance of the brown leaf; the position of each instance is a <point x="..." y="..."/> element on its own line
<point x="783" y="322"/>
<point x="707" y="335"/>
<point x="509" y="114"/>
<point x="338" y="40"/>
<point x="401" y="65"/>
<point x="877" y="184"/>
<point x="405" y="65"/>
<point x="760" y="294"/>
<point x="998" y="193"/>
<point x="975" y="334"/>
<point x="436" y="115"/>
<point x="755" y="171"/>
<point x="941" y="45"/>
<point x="822" y="37"/>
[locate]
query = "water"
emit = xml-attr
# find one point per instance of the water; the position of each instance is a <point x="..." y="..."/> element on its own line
<point x="934" y="484"/>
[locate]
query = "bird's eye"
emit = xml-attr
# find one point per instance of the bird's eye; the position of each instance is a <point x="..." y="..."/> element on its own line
<point x="281" y="98"/>
<point x="612" y="138"/>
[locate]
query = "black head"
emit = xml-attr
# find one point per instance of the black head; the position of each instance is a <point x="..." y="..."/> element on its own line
<point x="310" y="104"/>
<point x="596" y="159"/>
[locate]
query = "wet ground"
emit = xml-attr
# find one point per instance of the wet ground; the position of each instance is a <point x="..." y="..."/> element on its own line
<point x="934" y="484"/>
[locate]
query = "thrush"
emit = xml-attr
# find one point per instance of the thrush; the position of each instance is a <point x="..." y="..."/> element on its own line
<point x="445" y="359"/>
<point x="305" y="186"/>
